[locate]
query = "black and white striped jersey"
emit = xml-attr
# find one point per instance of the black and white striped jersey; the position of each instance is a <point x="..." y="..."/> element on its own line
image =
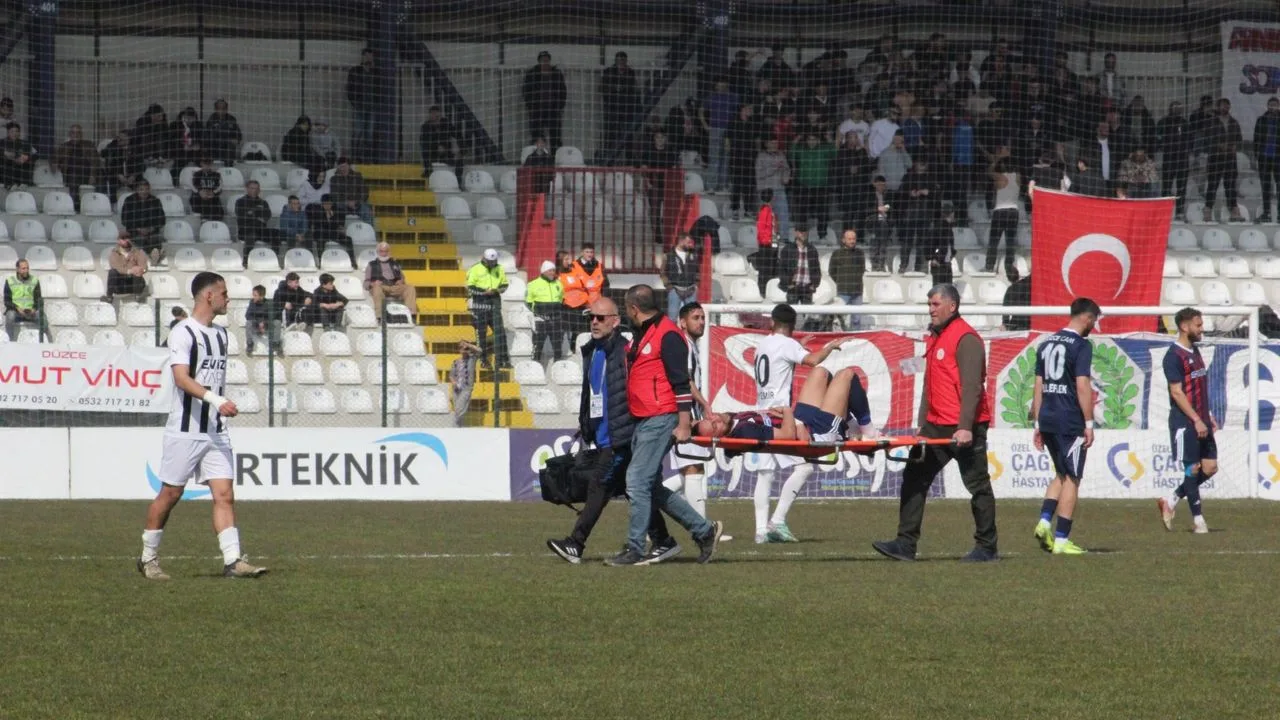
<point x="203" y="349"/>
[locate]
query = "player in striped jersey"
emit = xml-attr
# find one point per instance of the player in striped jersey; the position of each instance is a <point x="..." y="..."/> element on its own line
<point x="195" y="438"/>
<point x="1191" y="423"/>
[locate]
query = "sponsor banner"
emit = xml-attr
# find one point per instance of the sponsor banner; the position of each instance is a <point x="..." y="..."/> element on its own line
<point x="84" y="378"/>
<point x="529" y="452"/>
<point x="1120" y="465"/>
<point x="307" y="464"/>
<point x="1109" y="250"/>
<point x="1250" y="69"/>
<point x="36" y="464"/>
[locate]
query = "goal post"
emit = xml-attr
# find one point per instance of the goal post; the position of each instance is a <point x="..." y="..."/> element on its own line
<point x="1131" y="457"/>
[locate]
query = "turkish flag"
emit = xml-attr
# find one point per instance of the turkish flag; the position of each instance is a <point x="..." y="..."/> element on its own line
<point x="1111" y="251"/>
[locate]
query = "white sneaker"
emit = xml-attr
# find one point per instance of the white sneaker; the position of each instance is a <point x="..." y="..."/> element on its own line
<point x="1167" y="511"/>
<point x="1201" y="527"/>
<point x="726" y="538"/>
<point x="762" y="537"/>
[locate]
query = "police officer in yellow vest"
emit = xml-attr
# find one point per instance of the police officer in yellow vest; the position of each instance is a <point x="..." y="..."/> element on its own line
<point x="22" y="302"/>
<point x="486" y="280"/>
<point x="545" y="298"/>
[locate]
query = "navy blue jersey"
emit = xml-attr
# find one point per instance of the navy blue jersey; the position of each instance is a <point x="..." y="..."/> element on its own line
<point x="1185" y="367"/>
<point x="753" y="425"/>
<point x="1060" y="359"/>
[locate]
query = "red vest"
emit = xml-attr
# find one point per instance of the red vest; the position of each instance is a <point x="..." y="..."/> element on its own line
<point x="648" y="391"/>
<point x="942" y="376"/>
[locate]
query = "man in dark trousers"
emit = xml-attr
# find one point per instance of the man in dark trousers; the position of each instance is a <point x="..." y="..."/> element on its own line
<point x="620" y="92"/>
<point x="799" y="269"/>
<point x="1176" y="140"/>
<point x="544" y="94"/>
<point x="660" y="401"/>
<point x="606" y="425"/>
<point x="953" y="405"/>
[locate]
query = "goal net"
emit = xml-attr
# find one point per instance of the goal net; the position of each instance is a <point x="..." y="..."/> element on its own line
<point x="1131" y="457"/>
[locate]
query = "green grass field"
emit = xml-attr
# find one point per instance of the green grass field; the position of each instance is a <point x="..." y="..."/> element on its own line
<point x="458" y="611"/>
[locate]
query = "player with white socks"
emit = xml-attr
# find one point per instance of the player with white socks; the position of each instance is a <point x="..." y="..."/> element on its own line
<point x="692" y="480"/>
<point x="195" y="437"/>
<point x="776" y="358"/>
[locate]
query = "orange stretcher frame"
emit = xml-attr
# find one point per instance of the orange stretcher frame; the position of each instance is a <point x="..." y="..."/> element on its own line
<point x="813" y="450"/>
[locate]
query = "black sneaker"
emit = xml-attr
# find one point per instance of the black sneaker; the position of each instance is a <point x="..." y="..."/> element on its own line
<point x="708" y="544"/>
<point x="893" y="549"/>
<point x="626" y="557"/>
<point x="664" y="551"/>
<point x="567" y="549"/>
<point x="979" y="554"/>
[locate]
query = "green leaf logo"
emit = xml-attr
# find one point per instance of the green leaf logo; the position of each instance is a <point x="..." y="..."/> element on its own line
<point x="1019" y="390"/>
<point x="1115" y="378"/>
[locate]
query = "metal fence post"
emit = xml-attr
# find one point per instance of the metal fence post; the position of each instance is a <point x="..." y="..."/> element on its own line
<point x="271" y="376"/>
<point x="384" y="367"/>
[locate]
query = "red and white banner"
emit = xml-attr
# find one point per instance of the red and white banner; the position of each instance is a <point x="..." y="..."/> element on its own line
<point x="84" y="378"/>
<point x="1111" y="251"/>
<point x="1250" y="69"/>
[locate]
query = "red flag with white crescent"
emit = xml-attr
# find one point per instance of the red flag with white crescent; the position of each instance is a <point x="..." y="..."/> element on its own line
<point x="1111" y="251"/>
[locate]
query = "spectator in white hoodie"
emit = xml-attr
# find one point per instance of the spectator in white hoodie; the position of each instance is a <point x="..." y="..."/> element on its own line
<point x="324" y="143"/>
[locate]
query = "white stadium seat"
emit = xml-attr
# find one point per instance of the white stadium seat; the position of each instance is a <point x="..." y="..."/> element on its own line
<point x="1215" y="292"/>
<point x="215" y="232"/>
<point x="172" y="204"/>
<point x="515" y="291"/>
<point x="773" y="291"/>
<point x="477" y="181"/>
<point x="455" y="207"/>
<point x="225" y="259"/>
<point x="345" y="371"/>
<point x="373" y="372"/>
<point x="1172" y="269"/>
<point x="729" y="263"/>
<point x="232" y="178"/>
<point x="262" y="260"/>
<point x="296" y="177"/>
<point x="334" y="260"/>
<point x="188" y="260"/>
<point x="1252" y="240"/>
<point x="708" y="207"/>
<point x="1268" y="268"/>
<point x="59" y="202"/>
<point x="42" y="258"/>
<point x="433" y="401"/>
<point x="1200" y="266"/>
<point x="66" y="230"/>
<point x="76" y="258"/>
<point x="259" y="148"/>
<point x="298" y="344"/>
<point x="991" y="292"/>
<point x="286" y="401"/>
<point x="260" y="372"/>
<point x="29" y="230"/>
<point x="528" y="372"/>
<point x="44" y="176"/>
<point x="187" y="178"/>
<point x="566" y="372"/>
<point x="693" y="184"/>
<point x="362" y="233"/>
<point x="100" y="314"/>
<point x="276" y="202"/>
<point x="318" y="401"/>
<point x="164" y="287"/>
<point x="1250" y="293"/>
<point x="103" y="232"/>
<point x="443" y="181"/>
<point x="1183" y="240"/>
<point x="491" y="208"/>
<point x="179" y="232"/>
<point x="158" y="178"/>
<point x="1179" y="292"/>
<point x="246" y="400"/>
<point x="299" y="259"/>
<point x="70" y="337"/>
<point x="108" y="338"/>
<point x="95" y="204"/>
<point x="356" y="401"/>
<point x="407" y="343"/>
<point x="1217" y="240"/>
<point x="744" y="290"/>
<point x="542" y="401"/>
<point x="136" y="314"/>
<point x="8" y="256"/>
<point x="61" y="313"/>
<point x="307" y="371"/>
<point x="421" y="371"/>
<point x="369" y="344"/>
<point x="887" y="292"/>
<point x="237" y="372"/>
<point x="360" y="315"/>
<point x="21" y="202"/>
<point x="508" y="182"/>
<point x="334" y="344"/>
<point x="1235" y="267"/>
<point x="266" y="178"/>
<point x="88" y="287"/>
<point x="965" y="238"/>
<point x="397" y="401"/>
<point x="487" y="235"/>
<point x="53" y="285"/>
<point x="569" y="156"/>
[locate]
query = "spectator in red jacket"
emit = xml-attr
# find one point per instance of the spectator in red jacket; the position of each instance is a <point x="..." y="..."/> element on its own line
<point x="766" y="227"/>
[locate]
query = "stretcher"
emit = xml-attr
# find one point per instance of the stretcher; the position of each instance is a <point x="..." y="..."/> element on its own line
<point x="813" y="450"/>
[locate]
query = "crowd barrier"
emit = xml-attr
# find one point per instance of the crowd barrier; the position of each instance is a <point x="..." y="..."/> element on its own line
<point x="493" y="464"/>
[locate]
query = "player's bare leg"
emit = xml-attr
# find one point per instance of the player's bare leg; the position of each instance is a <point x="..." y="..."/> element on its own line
<point x="836" y="398"/>
<point x="224" y="526"/>
<point x="814" y="390"/>
<point x="157" y="517"/>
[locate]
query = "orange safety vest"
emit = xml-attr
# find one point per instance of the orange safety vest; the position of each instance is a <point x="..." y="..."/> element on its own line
<point x="582" y="289"/>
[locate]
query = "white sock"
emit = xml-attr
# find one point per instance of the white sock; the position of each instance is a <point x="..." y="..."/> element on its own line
<point x="1173" y="500"/>
<point x="150" y="544"/>
<point x="790" y="489"/>
<point x="764" y="488"/>
<point x="229" y="541"/>
<point x="695" y="491"/>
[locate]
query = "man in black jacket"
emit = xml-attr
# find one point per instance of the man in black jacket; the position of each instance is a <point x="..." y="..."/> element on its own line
<point x="252" y="215"/>
<point x="680" y="274"/>
<point x="606" y="425"/>
<point x="143" y="216"/>
<point x="544" y="93"/>
<point x="799" y="271"/>
<point x="294" y="302"/>
<point x="620" y="91"/>
<point x="1176" y="139"/>
<point x="438" y="141"/>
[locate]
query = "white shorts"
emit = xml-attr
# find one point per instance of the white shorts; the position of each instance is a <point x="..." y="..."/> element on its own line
<point x="203" y="457"/>
<point x="695" y="451"/>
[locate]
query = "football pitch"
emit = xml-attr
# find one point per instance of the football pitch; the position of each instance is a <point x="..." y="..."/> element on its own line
<point x="457" y="610"/>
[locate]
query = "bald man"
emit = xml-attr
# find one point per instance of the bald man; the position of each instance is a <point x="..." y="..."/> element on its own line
<point x="606" y="425"/>
<point x="384" y="278"/>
